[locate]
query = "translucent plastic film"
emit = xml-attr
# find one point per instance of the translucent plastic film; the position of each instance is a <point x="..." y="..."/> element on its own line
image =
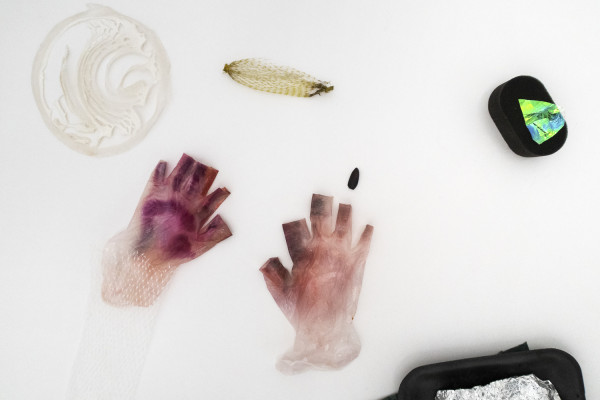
<point x="100" y="80"/>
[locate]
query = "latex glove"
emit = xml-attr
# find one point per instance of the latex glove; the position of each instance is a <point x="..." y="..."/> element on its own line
<point x="320" y="295"/>
<point x="169" y="227"/>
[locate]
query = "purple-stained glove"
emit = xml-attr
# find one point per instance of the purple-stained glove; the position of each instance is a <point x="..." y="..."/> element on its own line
<point x="169" y="227"/>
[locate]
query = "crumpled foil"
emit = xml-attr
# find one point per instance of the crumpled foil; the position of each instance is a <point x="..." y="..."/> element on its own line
<point x="527" y="387"/>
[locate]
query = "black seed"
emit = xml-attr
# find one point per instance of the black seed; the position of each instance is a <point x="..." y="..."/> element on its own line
<point x="353" y="181"/>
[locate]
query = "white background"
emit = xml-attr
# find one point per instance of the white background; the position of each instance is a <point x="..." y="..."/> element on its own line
<point x="475" y="249"/>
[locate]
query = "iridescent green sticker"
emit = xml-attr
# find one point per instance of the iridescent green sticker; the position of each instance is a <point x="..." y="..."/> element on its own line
<point x="542" y="119"/>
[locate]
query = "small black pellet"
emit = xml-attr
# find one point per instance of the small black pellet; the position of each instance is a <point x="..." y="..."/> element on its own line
<point x="353" y="181"/>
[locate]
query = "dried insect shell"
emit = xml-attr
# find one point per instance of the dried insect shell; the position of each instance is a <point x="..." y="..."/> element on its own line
<point x="263" y="75"/>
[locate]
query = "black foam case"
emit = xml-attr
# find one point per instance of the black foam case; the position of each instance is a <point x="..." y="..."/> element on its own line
<point x="504" y="109"/>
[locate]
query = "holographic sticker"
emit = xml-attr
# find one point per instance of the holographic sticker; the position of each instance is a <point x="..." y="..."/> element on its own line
<point x="542" y="119"/>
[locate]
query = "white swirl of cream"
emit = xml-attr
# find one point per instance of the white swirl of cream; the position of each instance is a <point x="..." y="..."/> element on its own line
<point x="100" y="80"/>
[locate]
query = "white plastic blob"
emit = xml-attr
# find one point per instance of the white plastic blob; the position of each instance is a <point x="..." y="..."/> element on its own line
<point x="100" y="80"/>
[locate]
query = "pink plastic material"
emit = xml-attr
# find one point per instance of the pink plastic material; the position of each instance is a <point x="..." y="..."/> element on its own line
<point x="320" y="295"/>
<point x="169" y="227"/>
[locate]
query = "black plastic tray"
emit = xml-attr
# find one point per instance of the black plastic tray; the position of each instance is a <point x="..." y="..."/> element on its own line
<point x="560" y="368"/>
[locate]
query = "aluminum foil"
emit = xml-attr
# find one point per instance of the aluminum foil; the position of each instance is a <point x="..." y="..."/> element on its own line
<point x="527" y="387"/>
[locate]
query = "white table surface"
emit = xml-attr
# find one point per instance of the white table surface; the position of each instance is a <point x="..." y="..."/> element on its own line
<point x="475" y="249"/>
